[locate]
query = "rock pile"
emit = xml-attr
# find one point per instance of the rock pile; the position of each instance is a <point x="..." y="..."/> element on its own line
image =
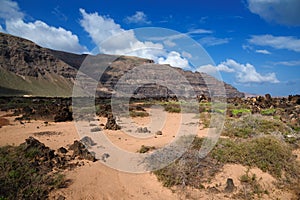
<point x="286" y="109"/>
<point x="80" y="151"/>
<point x="111" y="123"/>
<point x="44" y="156"/>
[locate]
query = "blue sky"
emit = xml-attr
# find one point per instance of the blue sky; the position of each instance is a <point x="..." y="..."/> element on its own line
<point x="254" y="44"/>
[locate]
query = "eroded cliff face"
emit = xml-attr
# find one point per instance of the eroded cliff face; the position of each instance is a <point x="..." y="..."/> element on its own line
<point x="25" y="58"/>
<point x="30" y="69"/>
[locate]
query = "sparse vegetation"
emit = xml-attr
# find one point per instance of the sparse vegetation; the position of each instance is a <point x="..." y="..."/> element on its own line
<point x="173" y="108"/>
<point x="253" y="125"/>
<point x="269" y="111"/>
<point x="189" y="169"/>
<point x="251" y="186"/>
<point x="138" y="114"/>
<point x="22" y="178"/>
<point x="241" y="111"/>
<point x="145" y="149"/>
<point x="267" y="153"/>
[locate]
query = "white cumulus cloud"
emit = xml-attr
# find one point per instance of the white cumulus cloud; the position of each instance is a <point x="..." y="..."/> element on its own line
<point x="111" y="38"/>
<point x="277" y="42"/>
<point x="45" y="35"/>
<point x="138" y="18"/>
<point x="214" y="70"/>
<point x="244" y="73"/>
<point x="10" y="10"/>
<point x="284" y="12"/>
<point x="38" y="31"/>
<point x="174" y="59"/>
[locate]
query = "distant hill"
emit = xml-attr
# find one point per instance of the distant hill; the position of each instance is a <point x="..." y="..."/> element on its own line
<point x="28" y="69"/>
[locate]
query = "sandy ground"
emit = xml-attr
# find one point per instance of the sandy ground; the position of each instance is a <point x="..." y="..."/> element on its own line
<point x="98" y="181"/>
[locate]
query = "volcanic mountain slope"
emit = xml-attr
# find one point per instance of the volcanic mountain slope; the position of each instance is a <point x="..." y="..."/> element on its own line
<point x="28" y="69"/>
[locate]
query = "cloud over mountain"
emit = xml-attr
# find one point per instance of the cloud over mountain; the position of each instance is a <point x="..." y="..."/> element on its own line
<point x="111" y="38"/>
<point x="38" y="31"/>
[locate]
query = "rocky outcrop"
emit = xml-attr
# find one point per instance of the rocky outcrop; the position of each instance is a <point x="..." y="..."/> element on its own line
<point x="25" y="58"/>
<point x="286" y="109"/>
<point x="111" y="123"/>
<point x="34" y="70"/>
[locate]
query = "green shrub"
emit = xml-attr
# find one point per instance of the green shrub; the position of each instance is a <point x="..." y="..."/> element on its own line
<point x="267" y="153"/>
<point x="20" y="178"/>
<point x="269" y="111"/>
<point x="241" y="111"/>
<point x="251" y="125"/>
<point x="145" y="149"/>
<point x="138" y="114"/>
<point x="173" y="108"/>
<point x="251" y="186"/>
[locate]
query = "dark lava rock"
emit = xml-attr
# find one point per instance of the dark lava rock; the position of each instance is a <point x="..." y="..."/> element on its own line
<point x="111" y="123"/>
<point x="268" y="97"/>
<point x="229" y="185"/>
<point x="81" y="151"/>
<point x="158" y="133"/>
<point x="142" y="130"/>
<point x="63" y="115"/>
<point x="62" y="150"/>
<point x="104" y="157"/>
<point x="87" y="141"/>
<point x="44" y="153"/>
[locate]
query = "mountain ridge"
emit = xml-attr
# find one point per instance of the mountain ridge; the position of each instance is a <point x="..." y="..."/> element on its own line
<point x="30" y="69"/>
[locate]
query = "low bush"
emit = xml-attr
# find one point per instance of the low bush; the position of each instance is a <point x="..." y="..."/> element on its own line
<point x="267" y="153"/>
<point x="252" y="125"/>
<point x="22" y="178"/>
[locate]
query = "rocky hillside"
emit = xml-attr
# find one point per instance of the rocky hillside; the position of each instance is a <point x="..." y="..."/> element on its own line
<point x="28" y="69"/>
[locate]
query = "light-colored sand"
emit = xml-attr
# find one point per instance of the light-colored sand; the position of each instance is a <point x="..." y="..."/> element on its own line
<point x="97" y="181"/>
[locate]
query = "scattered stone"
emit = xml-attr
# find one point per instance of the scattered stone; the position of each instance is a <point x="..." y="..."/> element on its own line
<point x="96" y="129"/>
<point x="104" y="157"/>
<point x="47" y="133"/>
<point x="229" y="185"/>
<point x="142" y="130"/>
<point x="145" y="149"/>
<point x="158" y="133"/>
<point x="87" y="141"/>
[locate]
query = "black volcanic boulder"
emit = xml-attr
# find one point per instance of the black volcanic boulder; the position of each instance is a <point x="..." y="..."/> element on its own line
<point x="63" y="115"/>
<point x="111" y="123"/>
<point x="80" y="150"/>
<point x="294" y="99"/>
